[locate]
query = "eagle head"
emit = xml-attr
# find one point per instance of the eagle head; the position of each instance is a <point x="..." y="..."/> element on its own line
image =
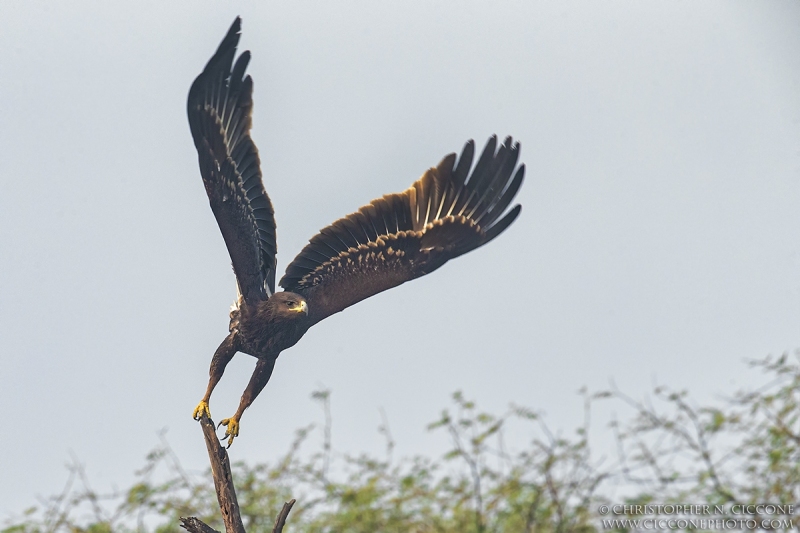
<point x="287" y="306"/>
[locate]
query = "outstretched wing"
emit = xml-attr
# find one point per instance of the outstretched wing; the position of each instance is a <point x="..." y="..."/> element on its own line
<point x="219" y="107"/>
<point x="404" y="236"/>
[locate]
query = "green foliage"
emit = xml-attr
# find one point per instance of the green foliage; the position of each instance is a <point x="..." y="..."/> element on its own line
<point x="746" y="450"/>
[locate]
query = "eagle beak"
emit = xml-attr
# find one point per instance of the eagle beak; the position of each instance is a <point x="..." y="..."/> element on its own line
<point x="303" y="308"/>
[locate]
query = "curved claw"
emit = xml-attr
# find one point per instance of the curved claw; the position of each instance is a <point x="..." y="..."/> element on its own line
<point x="231" y="429"/>
<point x="200" y="410"/>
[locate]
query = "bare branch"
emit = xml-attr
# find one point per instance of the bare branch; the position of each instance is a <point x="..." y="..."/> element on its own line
<point x="226" y="493"/>
<point x="195" y="525"/>
<point x="281" y="520"/>
<point x="223" y="480"/>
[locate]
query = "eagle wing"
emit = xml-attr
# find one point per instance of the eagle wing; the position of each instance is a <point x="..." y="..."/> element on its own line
<point x="219" y="106"/>
<point x="446" y="213"/>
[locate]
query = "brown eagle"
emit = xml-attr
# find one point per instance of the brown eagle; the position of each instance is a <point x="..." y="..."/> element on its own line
<point x="448" y="212"/>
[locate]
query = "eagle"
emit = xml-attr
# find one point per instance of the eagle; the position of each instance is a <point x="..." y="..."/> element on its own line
<point x="452" y="209"/>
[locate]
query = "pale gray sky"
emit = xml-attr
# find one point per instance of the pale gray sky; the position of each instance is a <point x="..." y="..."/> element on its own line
<point x="659" y="239"/>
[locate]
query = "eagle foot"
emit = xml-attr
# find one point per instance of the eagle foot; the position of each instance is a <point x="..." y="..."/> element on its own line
<point x="231" y="429"/>
<point x="200" y="410"/>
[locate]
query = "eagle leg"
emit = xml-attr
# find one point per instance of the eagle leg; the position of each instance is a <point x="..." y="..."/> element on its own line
<point x="221" y="358"/>
<point x="258" y="380"/>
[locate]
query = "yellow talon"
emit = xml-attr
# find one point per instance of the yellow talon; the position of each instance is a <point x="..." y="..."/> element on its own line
<point x="200" y="410"/>
<point x="231" y="429"/>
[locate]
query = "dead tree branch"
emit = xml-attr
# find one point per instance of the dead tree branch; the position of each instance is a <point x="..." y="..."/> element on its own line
<point x="281" y="520"/>
<point x="195" y="525"/>
<point x="226" y="494"/>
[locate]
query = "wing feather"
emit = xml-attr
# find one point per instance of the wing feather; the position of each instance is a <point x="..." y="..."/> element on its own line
<point x="446" y="213"/>
<point x="220" y="107"/>
<point x="497" y="208"/>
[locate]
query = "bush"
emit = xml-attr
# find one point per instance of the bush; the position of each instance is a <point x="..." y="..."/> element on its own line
<point x="745" y="450"/>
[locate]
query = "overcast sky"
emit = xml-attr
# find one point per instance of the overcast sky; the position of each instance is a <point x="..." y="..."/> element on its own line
<point x="659" y="239"/>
